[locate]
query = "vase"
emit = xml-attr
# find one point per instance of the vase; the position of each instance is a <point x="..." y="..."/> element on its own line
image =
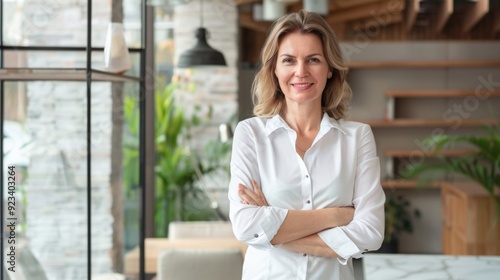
<point x="116" y="55"/>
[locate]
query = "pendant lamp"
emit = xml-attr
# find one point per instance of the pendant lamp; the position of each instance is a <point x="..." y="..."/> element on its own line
<point x="273" y="10"/>
<point x="201" y="54"/>
<point x="317" y="6"/>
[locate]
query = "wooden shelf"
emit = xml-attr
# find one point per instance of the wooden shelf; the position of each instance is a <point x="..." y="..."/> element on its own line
<point x="424" y="64"/>
<point x="58" y="74"/>
<point x="401" y="123"/>
<point x="420" y="153"/>
<point x="407" y="184"/>
<point x="435" y="93"/>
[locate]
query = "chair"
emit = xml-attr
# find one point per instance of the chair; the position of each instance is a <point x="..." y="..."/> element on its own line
<point x="201" y="229"/>
<point x="206" y="264"/>
<point x="109" y="276"/>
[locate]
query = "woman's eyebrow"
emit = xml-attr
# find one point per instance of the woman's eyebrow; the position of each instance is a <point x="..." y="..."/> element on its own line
<point x="289" y="55"/>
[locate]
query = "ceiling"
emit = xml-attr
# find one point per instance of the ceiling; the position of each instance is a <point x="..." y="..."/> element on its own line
<point x="387" y="20"/>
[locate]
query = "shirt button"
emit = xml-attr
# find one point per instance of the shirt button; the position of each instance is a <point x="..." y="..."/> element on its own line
<point x="256" y="235"/>
<point x="308" y="201"/>
<point x="307" y="176"/>
<point x="304" y="255"/>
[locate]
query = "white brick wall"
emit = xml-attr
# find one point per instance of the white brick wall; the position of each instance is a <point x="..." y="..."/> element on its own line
<point x="215" y="87"/>
<point x="57" y="188"/>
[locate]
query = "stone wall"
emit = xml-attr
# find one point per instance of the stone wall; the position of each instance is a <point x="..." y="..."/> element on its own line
<point x="213" y="88"/>
<point x="56" y="193"/>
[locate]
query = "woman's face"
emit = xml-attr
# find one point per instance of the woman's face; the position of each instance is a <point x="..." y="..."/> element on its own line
<point x="301" y="68"/>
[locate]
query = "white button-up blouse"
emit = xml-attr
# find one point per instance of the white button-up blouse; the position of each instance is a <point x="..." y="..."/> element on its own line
<point x="341" y="168"/>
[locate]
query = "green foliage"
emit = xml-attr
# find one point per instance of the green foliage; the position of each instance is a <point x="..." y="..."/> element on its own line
<point x="482" y="167"/>
<point x="398" y="217"/>
<point x="131" y="147"/>
<point x="177" y="167"/>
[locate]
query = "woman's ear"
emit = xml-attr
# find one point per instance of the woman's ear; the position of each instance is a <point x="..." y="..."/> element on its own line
<point x="329" y="74"/>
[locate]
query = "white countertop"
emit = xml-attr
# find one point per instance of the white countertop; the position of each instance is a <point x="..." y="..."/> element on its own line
<point x="430" y="267"/>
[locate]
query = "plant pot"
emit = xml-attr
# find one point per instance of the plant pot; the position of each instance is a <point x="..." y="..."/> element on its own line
<point x="390" y="247"/>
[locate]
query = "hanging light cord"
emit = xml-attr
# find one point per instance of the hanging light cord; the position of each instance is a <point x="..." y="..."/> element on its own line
<point x="201" y="13"/>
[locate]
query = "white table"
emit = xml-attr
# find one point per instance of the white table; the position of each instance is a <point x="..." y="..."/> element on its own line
<point x="430" y="267"/>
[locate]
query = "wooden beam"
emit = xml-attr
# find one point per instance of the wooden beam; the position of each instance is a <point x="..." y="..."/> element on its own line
<point x="496" y="20"/>
<point x="366" y="23"/>
<point x="247" y="21"/>
<point x="243" y="2"/>
<point x="336" y="5"/>
<point x="411" y="14"/>
<point x="365" y="11"/>
<point x="473" y="14"/>
<point x="444" y="13"/>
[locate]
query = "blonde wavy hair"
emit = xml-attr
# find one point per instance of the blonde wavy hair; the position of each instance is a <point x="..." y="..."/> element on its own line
<point x="267" y="96"/>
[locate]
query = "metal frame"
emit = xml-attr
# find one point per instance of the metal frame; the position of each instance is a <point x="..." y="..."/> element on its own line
<point x="146" y="97"/>
<point x="1" y="144"/>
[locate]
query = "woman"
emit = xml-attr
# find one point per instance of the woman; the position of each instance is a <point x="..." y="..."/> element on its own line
<point x="305" y="190"/>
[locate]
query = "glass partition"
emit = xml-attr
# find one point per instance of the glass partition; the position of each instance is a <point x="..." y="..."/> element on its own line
<point x="45" y="188"/>
<point x="64" y="23"/>
<point x="68" y="214"/>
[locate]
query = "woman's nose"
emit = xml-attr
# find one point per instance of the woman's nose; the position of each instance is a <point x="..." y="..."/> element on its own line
<point x="301" y="70"/>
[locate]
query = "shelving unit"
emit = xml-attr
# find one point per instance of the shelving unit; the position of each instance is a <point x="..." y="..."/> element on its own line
<point x="405" y="92"/>
<point x="420" y="153"/>
<point x="422" y="64"/>
<point x="415" y="123"/>
<point x="393" y="121"/>
<point x="406" y="184"/>
<point x="392" y="155"/>
<point x="435" y="93"/>
<point x="54" y="74"/>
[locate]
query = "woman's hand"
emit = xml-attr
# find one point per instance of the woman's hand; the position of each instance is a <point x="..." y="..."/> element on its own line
<point x="344" y="215"/>
<point x="252" y="197"/>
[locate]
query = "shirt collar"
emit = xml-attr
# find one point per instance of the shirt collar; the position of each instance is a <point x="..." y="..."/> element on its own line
<point x="277" y="122"/>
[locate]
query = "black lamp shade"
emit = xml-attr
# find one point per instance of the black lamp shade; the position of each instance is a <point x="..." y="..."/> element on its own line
<point x="201" y="54"/>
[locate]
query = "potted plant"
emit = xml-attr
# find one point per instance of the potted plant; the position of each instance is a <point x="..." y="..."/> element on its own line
<point x="397" y="220"/>
<point x="178" y="168"/>
<point x="481" y="166"/>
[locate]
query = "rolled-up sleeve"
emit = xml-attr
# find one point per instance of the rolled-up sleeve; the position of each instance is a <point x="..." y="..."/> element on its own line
<point x="256" y="226"/>
<point x="366" y="231"/>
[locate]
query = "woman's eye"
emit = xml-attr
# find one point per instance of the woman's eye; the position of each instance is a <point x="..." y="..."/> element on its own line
<point x="314" y="59"/>
<point x="287" y="60"/>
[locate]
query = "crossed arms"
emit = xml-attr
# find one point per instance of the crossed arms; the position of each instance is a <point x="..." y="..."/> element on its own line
<point x="298" y="232"/>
